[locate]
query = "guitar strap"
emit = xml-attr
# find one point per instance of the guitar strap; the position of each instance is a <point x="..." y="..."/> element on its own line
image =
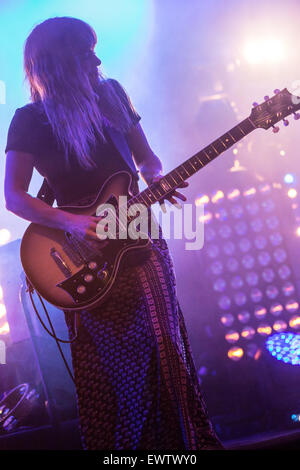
<point x="45" y="192"/>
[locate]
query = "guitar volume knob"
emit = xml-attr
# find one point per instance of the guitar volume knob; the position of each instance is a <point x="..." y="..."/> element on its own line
<point x="102" y="274"/>
<point x="92" y="265"/>
<point x="81" y="289"/>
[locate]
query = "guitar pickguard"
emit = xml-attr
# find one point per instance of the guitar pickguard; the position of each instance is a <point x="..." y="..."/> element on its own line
<point x="89" y="281"/>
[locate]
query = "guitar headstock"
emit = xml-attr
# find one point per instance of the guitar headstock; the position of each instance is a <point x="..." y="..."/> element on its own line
<point x="275" y="109"/>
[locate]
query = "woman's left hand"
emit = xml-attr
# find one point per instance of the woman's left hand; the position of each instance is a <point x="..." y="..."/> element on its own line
<point x="171" y="197"/>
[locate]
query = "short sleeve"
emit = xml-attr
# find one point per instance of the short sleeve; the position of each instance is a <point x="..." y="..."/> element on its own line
<point x="21" y="133"/>
<point x="135" y="117"/>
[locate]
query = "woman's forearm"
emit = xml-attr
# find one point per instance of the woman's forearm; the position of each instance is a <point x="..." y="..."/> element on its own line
<point x="37" y="211"/>
<point x="151" y="169"/>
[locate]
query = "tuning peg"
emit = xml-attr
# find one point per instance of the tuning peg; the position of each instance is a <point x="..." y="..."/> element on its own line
<point x="285" y="122"/>
<point x="276" y="129"/>
<point x="266" y="98"/>
<point x="296" y="116"/>
<point x="254" y="104"/>
<point x="276" y="91"/>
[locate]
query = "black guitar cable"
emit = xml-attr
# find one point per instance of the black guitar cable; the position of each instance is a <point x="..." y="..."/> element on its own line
<point x="52" y="332"/>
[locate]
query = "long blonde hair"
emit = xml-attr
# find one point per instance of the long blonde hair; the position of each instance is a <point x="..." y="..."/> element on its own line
<point x="76" y="110"/>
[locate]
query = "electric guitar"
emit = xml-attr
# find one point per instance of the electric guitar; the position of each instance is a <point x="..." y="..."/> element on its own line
<point x="74" y="274"/>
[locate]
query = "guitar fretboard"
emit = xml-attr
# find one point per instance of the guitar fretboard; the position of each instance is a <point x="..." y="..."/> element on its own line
<point x="159" y="190"/>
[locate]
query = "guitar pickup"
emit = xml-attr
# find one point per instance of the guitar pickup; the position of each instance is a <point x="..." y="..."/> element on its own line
<point x="60" y="262"/>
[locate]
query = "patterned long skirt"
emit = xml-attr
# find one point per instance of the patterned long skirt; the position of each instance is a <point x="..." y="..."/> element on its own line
<point x="136" y="382"/>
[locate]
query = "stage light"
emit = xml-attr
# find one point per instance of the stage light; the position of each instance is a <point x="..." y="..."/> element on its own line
<point x="237" y="211"/>
<point x="240" y="298"/>
<point x="232" y="336"/>
<point x="272" y="222"/>
<point x="224" y="302"/>
<point x="241" y="228"/>
<point x="221" y="214"/>
<point x="295" y="418"/>
<point x="252" y="208"/>
<point x="256" y="295"/>
<point x="285" y="347"/>
<point x="292" y="193"/>
<point x="248" y="332"/>
<point x="292" y="306"/>
<point x="264" y="258"/>
<point x="288" y="289"/>
<point x="288" y="178"/>
<point x="232" y="265"/>
<point x="217" y="197"/>
<point x="257" y="225"/>
<point x="225" y="231"/>
<point x="210" y="234"/>
<point x="265" y="188"/>
<point x="4" y="236"/>
<point x="234" y="194"/>
<point x="264" y="51"/>
<point x="279" y="326"/>
<point x="298" y="231"/>
<point x="249" y="272"/>
<point x="227" y="319"/>
<point x="251" y="278"/>
<point x="220" y="285"/>
<point x="230" y="67"/>
<point x="264" y="329"/>
<point x="4" y="329"/>
<point x="284" y="272"/>
<point x="235" y="353"/>
<point x="206" y="218"/>
<point x="244" y="317"/>
<point x="279" y="255"/>
<point x="2" y="310"/>
<point x="236" y="282"/>
<point x="260" y="311"/>
<point x="248" y="193"/>
<point x="253" y="53"/>
<point x="253" y="351"/>
<point x="268" y="205"/>
<point x="213" y="251"/>
<point x="202" y="200"/>
<point x="260" y="242"/>
<point x="275" y="238"/>
<point x="229" y="248"/>
<point x="276" y="309"/>
<point x="272" y="291"/>
<point x="245" y="245"/>
<point x="295" y="322"/>
<point x="216" y="268"/>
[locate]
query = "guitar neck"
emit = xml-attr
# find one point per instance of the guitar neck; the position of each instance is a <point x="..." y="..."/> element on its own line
<point x="159" y="190"/>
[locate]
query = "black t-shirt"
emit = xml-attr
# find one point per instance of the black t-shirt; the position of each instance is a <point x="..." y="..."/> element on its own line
<point x="31" y="132"/>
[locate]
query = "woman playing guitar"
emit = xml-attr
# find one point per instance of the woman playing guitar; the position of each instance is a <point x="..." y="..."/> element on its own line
<point x="136" y="382"/>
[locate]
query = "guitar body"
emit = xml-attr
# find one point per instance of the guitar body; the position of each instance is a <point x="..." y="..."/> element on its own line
<point x="75" y="274"/>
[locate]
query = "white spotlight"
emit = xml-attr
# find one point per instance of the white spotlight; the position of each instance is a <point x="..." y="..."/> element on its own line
<point x="268" y="50"/>
<point x="4" y="236"/>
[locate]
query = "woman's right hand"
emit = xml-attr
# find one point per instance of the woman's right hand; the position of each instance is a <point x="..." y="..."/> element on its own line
<point x="82" y="226"/>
